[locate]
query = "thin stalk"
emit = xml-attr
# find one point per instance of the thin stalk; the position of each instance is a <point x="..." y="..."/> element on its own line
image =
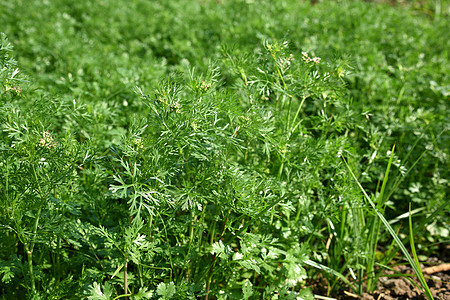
<point x="296" y="116"/>
<point x="360" y="222"/>
<point x="167" y="239"/>
<point x="208" y="283"/>
<point x="29" y="247"/>
<point x="213" y="232"/>
<point x="373" y="242"/>
<point x="122" y="296"/>
<point x="29" y="253"/>
<point x="280" y="75"/>
<point x="58" y="257"/>
<point x="416" y="259"/>
<point x="125" y="270"/>
<point x="197" y="230"/>
<point x="125" y="279"/>
<point x="191" y="228"/>
<point x="58" y="248"/>
<point x="291" y="130"/>
<point x="288" y="115"/>
<point x="150" y="223"/>
<point x="141" y="279"/>
<point x="375" y="228"/>
<point x="280" y="170"/>
<point x="299" y="206"/>
<point x="7" y="179"/>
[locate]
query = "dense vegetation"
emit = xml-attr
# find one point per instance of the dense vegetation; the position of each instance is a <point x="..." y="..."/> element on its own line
<point x="225" y="149"/>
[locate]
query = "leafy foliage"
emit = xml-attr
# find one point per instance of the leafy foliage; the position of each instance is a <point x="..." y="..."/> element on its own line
<point x="198" y="153"/>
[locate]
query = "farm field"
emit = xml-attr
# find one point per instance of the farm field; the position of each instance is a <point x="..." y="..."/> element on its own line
<point x="233" y="149"/>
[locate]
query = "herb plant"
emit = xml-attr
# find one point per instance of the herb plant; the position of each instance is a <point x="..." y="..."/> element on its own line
<point x="220" y="149"/>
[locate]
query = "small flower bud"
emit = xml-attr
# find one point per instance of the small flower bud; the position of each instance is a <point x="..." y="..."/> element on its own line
<point x="47" y="140"/>
<point x="176" y="106"/>
<point x="16" y="91"/>
<point x="205" y="86"/>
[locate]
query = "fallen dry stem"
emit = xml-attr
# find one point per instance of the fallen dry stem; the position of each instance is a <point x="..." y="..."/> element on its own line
<point x="436" y="269"/>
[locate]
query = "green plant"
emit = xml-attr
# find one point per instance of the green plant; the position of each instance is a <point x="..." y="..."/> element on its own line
<point x="377" y="207"/>
<point x="197" y="153"/>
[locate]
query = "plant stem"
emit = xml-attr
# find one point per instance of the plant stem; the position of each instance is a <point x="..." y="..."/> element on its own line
<point x="125" y="278"/>
<point x="208" y="284"/>
<point x="58" y="258"/>
<point x="29" y="247"/>
<point x="29" y="252"/>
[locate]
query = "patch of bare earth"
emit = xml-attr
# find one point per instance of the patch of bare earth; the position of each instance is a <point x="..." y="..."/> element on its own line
<point x="390" y="287"/>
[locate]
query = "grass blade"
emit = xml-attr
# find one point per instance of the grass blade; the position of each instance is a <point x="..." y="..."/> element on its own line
<point x="391" y="230"/>
<point x="329" y="270"/>
<point x="422" y="280"/>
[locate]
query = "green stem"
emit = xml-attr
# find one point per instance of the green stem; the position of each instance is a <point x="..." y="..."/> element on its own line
<point x="29" y="252"/>
<point x="29" y="247"/>
<point x="280" y="75"/>
<point x="208" y="283"/>
<point x="373" y="242"/>
<point x="296" y="116"/>
<point x="288" y="114"/>
<point x="58" y="258"/>
<point x="290" y="131"/>
<point x="168" y="244"/>
<point x="125" y="278"/>
<point x="122" y="296"/>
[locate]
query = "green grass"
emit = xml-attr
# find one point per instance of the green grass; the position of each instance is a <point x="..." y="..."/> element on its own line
<point x="165" y="150"/>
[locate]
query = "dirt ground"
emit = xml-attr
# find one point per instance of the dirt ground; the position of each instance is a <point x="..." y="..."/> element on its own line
<point x="401" y="288"/>
<point x="436" y="271"/>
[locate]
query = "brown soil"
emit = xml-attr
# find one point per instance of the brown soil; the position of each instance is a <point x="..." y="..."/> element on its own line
<point x="436" y="271"/>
